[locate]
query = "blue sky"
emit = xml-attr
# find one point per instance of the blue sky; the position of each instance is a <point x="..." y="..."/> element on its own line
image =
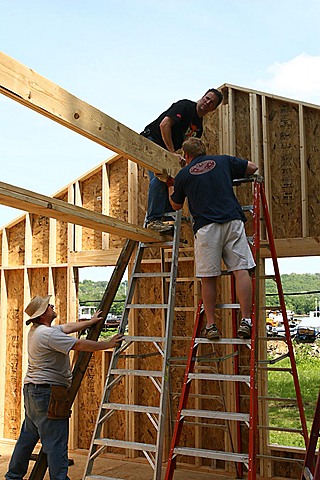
<point x="132" y="59"/>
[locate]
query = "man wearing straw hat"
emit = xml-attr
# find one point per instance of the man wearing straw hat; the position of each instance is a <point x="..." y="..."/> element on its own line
<point x="46" y="385"/>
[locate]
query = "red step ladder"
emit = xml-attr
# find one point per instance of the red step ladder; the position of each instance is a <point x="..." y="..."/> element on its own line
<point x="251" y="419"/>
<point x="311" y="469"/>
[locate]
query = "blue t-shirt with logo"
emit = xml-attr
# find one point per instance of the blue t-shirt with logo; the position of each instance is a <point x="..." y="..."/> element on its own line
<point x="207" y="183"/>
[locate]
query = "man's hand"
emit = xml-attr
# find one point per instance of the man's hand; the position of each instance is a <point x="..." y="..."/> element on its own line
<point x="115" y="341"/>
<point x="96" y="317"/>
<point x="170" y="181"/>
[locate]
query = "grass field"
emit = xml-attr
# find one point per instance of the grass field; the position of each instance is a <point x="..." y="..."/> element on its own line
<point x="281" y="385"/>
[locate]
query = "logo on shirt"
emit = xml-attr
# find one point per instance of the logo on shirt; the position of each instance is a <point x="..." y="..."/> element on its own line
<point x="202" y="167"/>
<point x="192" y="131"/>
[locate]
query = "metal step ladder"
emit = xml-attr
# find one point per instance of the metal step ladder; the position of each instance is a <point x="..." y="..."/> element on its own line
<point x="250" y="417"/>
<point x="159" y="378"/>
<point x="311" y="469"/>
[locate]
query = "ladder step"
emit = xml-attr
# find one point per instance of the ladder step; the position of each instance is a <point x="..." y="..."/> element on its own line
<point x="228" y="305"/>
<point x="138" y="373"/>
<point x="240" y="417"/>
<point x="215" y="454"/>
<point x="100" y="477"/>
<point x="128" y="339"/>
<point x="131" y="408"/>
<point x="219" y="376"/>
<point x="147" y="305"/>
<point x="225" y="341"/>
<point x="152" y="275"/>
<point x="109" y="442"/>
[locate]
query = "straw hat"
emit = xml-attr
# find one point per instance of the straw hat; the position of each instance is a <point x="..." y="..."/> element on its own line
<point x="37" y="307"/>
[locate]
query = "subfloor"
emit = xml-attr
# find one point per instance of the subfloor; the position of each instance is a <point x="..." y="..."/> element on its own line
<point x="127" y="470"/>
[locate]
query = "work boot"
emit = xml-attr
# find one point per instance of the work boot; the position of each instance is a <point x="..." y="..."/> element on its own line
<point x="160" y="227"/>
<point x="244" y="330"/>
<point x="212" y="333"/>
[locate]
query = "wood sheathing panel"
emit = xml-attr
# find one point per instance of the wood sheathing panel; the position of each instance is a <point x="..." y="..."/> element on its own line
<point x="16" y="244"/>
<point x="210" y="135"/>
<point x="241" y="124"/>
<point x="40" y="236"/>
<point x="312" y="134"/>
<point x="62" y="237"/>
<point x="284" y="144"/>
<point x="91" y="192"/>
<point x="38" y="281"/>
<point x="60" y="276"/>
<point x="1" y="237"/>
<point x="118" y="177"/>
<point x="13" y="370"/>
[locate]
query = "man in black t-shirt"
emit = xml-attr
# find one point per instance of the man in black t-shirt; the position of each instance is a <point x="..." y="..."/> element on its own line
<point x="182" y="120"/>
<point x="218" y="226"/>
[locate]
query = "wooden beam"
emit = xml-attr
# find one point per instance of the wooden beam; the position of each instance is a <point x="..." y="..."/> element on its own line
<point x="29" y="201"/>
<point x="294" y="247"/>
<point x="27" y="87"/>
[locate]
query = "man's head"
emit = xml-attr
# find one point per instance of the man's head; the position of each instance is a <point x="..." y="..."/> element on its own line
<point x="39" y="309"/>
<point x="209" y="102"/>
<point x="192" y="148"/>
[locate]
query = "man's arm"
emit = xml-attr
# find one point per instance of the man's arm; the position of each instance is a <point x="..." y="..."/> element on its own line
<point x="82" y="325"/>
<point x="166" y="133"/>
<point x="84" y="345"/>
<point x="251" y="168"/>
<point x="175" y="206"/>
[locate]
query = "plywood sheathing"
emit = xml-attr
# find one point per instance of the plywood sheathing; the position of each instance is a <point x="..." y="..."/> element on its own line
<point x="312" y="152"/>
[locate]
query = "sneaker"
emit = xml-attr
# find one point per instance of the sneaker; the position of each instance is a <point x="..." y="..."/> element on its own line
<point x="244" y="330"/>
<point x="212" y="333"/>
<point x="160" y="226"/>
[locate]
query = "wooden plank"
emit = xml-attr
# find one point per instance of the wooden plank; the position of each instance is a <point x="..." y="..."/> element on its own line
<point x="54" y="208"/>
<point x="94" y="258"/>
<point x="27" y="87"/>
<point x="294" y="247"/>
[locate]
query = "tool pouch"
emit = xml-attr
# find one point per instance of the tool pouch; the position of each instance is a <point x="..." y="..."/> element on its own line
<point x="59" y="404"/>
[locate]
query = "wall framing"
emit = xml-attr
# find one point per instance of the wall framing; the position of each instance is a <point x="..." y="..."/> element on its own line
<point x="41" y="251"/>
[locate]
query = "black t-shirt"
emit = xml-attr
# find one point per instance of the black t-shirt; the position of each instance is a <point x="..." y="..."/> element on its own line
<point x="207" y="183"/>
<point x="187" y="123"/>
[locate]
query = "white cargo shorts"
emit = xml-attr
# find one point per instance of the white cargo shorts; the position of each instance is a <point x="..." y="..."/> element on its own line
<point x="225" y="241"/>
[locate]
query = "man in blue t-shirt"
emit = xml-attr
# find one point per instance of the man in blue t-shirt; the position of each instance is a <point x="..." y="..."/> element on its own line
<point x="179" y="122"/>
<point x="206" y="182"/>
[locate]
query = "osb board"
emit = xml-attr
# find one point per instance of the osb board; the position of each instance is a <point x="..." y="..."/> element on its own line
<point x="118" y="195"/>
<point x="312" y="134"/>
<point x="60" y="276"/>
<point x="287" y="469"/>
<point x="16" y="244"/>
<point x="91" y="193"/>
<point x="283" y="126"/>
<point x="89" y="398"/>
<point x="211" y="126"/>
<point x="38" y="281"/>
<point x="242" y="125"/>
<point x="62" y="237"/>
<point x="14" y="338"/>
<point x="40" y="235"/>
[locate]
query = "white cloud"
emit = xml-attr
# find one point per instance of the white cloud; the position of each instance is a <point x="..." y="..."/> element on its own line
<point x="297" y="78"/>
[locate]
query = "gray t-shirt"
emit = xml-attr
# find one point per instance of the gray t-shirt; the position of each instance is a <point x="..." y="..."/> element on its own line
<point x="48" y="355"/>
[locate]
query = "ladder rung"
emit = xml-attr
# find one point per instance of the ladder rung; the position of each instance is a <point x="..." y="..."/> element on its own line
<point x="151" y="275"/>
<point x="128" y="339"/>
<point x="147" y="305"/>
<point x="275" y="369"/>
<point x="133" y="408"/>
<point x="138" y="373"/>
<point x="109" y="442"/>
<point x="225" y="341"/>
<point x="307" y="474"/>
<point x="100" y="477"/>
<point x="279" y="429"/>
<point x="277" y="399"/>
<point x="228" y="305"/>
<point x="219" y="376"/>
<point x="215" y="454"/>
<point x="168" y="243"/>
<point x="240" y="417"/>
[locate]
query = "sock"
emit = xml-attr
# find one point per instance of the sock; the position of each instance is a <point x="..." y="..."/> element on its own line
<point x="247" y="320"/>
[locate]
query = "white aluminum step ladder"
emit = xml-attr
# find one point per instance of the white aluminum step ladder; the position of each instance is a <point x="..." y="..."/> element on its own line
<point x="158" y="378"/>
